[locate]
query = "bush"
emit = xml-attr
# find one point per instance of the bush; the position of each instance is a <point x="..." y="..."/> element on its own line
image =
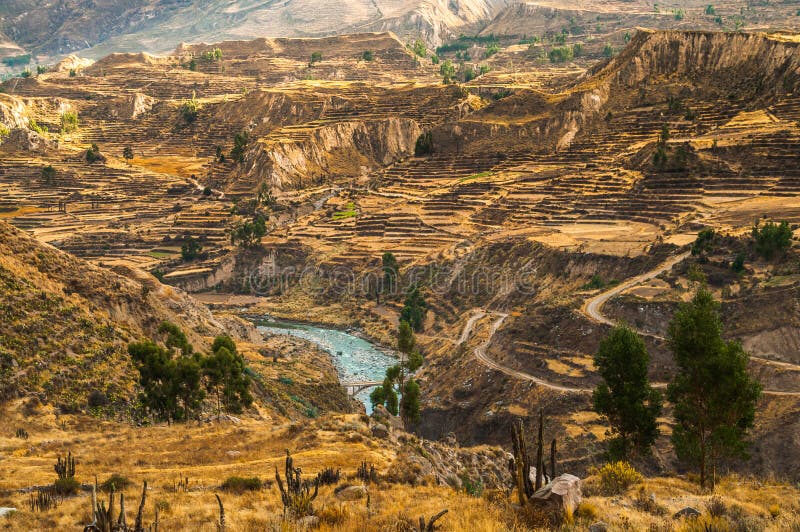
<point x="69" y="121"/>
<point x="716" y="506"/>
<point x="119" y="482"/>
<point x="242" y="484"/>
<point x="561" y="54"/>
<point x="617" y="477"/>
<point x="66" y="486"/>
<point x="587" y="510"/>
<point x="97" y="399"/>
<point x="703" y="242"/>
<point x="368" y="55"/>
<point x="424" y="145"/>
<point x="189" y="110"/>
<point x="316" y="57"/>
<point x="772" y="239"/>
<point x="93" y="154"/>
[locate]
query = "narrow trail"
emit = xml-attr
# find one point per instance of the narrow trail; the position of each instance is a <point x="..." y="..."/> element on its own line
<point x="592" y="309"/>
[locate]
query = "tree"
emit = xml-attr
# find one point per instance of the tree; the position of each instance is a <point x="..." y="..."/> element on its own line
<point x="176" y="338"/>
<point x="409" y="406"/>
<point x="316" y="57"/>
<point x="69" y="121"/>
<point x="48" y="174"/>
<point x="625" y="396"/>
<point x="714" y="396"/>
<point x="190" y="109"/>
<point x="156" y="377"/>
<point x="224" y="371"/>
<point x="127" y="154"/>
<point x="405" y="338"/>
<point x="385" y="395"/>
<point x="415" y="308"/>
<point x="419" y="48"/>
<point x="240" y="142"/>
<point x="447" y="70"/>
<point x="391" y="272"/>
<point x="187" y="384"/>
<point x="368" y="55"/>
<point x="249" y="233"/>
<point x="93" y="154"/>
<point x="191" y="249"/>
<point x="608" y="51"/>
<point x="772" y="239"/>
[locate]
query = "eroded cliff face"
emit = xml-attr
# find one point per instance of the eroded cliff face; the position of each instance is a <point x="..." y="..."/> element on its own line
<point x="340" y="149"/>
<point x="739" y="62"/>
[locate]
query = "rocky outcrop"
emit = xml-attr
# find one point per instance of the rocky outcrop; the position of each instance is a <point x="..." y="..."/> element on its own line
<point x="343" y="148"/>
<point x="21" y="139"/>
<point x="72" y="62"/>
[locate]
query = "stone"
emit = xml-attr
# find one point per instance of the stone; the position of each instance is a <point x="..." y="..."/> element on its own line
<point x="7" y="511"/>
<point x="599" y="526"/>
<point x="380" y="431"/>
<point x="351" y="493"/>
<point x="564" y="492"/>
<point x="688" y="512"/>
<point x="233" y="454"/>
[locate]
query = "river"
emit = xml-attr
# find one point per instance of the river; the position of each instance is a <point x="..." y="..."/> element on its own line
<point x="355" y="358"/>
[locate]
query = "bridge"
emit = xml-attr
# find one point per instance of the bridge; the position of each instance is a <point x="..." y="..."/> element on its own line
<point x="359" y="386"/>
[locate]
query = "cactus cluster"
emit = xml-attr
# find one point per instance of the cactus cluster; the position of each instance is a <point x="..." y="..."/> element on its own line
<point x="103" y="516"/>
<point x="42" y="501"/>
<point x="367" y="473"/>
<point x="296" y="495"/>
<point x="520" y="467"/>
<point x="65" y="468"/>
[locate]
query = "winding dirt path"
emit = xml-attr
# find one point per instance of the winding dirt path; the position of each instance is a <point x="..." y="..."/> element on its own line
<point x="592" y="308"/>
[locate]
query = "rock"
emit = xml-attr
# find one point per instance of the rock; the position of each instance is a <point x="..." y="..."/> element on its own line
<point x="72" y="62"/>
<point x="309" y="521"/>
<point x="381" y="414"/>
<point x="7" y="511"/>
<point x="233" y="454"/>
<point x="380" y="431"/>
<point x="351" y="493"/>
<point x="26" y="140"/>
<point x="599" y="526"/>
<point x="564" y="492"/>
<point x="688" y="512"/>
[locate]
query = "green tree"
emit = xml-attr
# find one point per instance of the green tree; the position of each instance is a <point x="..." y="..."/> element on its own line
<point x="188" y="384"/>
<point x="414" y="309"/>
<point x="224" y="371"/>
<point x="127" y="154"/>
<point x="156" y="377"/>
<point x="175" y="338"/>
<point x="424" y="144"/>
<point x="448" y="71"/>
<point x="48" y="174"/>
<point x="93" y="154"/>
<point x="316" y="57"/>
<point x="191" y="249"/>
<point x="240" y="142"/>
<point x="625" y="396"/>
<point x="608" y="51"/>
<point x="714" y="396"/>
<point x="391" y="273"/>
<point x="368" y="55"/>
<point x="69" y="121"/>
<point x="772" y="239"/>
<point x="419" y="48"/>
<point x="409" y="405"/>
<point x="248" y="234"/>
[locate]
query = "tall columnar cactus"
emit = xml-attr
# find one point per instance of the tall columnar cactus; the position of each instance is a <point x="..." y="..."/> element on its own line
<point x="522" y="467"/>
<point x="540" y="454"/>
<point x="65" y="468"/>
<point x="296" y="495"/>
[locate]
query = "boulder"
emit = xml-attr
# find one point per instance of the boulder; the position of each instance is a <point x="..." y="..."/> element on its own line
<point x="599" y="526"/>
<point x="564" y="493"/>
<point x="7" y="511"/>
<point x="351" y="493"/>
<point x="26" y="140"/>
<point x="688" y="512"/>
<point x="382" y="415"/>
<point x="380" y="431"/>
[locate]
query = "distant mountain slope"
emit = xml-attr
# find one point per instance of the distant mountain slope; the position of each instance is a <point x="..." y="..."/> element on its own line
<point x="59" y="27"/>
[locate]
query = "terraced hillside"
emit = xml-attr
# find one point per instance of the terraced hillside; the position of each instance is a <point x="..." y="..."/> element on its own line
<point x="511" y="198"/>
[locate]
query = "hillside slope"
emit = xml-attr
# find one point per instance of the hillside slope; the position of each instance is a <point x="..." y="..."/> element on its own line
<point x="66" y="323"/>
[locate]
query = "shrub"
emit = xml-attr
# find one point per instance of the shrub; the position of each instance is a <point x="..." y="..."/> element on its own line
<point x="617" y="477"/>
<point x="66" y="486"/>
<point x="242" y="484"/>
<point x="4" y="131"/>
<point x="69" y="121"/>
<point x="118" y="481"/>
<point x="738" y="263"/>
<point x="97" y="399"/>
<point x="368" y="55"/>
<point x="587" y="510"/>
<point x="189" y="110"/>
<point x="560" y="54"/>
<point x="703" y="241"/>
<point x="424" y="145"/>
<point x="716" y="506"/>
<point x="608" y="51"/>
<point x="316" y="57"/>
<point x="93" y="154"/>
<point x="34" y="126"/>
<point x="772" y="239"/>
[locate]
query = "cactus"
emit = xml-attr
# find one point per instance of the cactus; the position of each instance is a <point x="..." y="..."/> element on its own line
<point x="65" y="469"/>
<point x="103" y="516"/>
<point x="296" y="495"/>
<point x="328" y="476"/>
<point x="540" y="454"/>
<point x="430" y="526"/>
<point x="521" y="463"/>
<point x="221" y="524"/>
<point x="367" y="473"/>
<point x="42" y="501"/>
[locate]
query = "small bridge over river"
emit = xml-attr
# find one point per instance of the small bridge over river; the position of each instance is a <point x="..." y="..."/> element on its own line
<point x="359" y="386"/>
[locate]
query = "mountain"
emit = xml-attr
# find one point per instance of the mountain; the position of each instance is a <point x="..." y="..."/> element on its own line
<point x="60" y="27"/>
